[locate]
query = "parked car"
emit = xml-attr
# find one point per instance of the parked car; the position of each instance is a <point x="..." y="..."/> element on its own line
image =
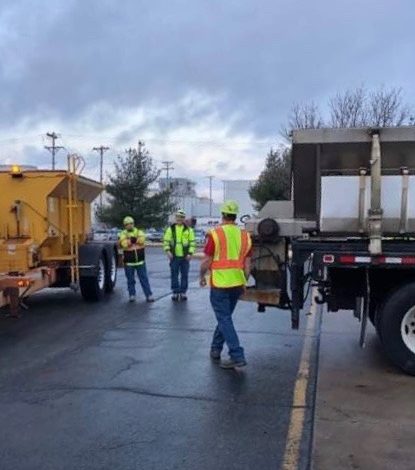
<point x="200" y="237"/>
<point x="114" y="234"/>
<point x="155" y="235"/>
<point x="100" y="235"/>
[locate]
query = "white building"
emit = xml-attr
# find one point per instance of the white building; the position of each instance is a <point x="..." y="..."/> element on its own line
<point x="184" y="196"/>
<point x="238" y="190"/>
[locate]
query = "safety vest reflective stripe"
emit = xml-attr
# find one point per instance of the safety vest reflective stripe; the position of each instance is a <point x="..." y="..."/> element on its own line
<point x="223" y="245"/>
<point x="222" y="261"/>
<point x="180" y="240"/>
<point x="231" y="248"/>
<point x="133" y="255"/>
<point x="227" y="264"/>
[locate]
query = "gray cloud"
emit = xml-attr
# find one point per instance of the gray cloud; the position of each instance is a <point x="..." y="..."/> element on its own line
<point x="60" y="57"/>
<point x="222" y="166"/>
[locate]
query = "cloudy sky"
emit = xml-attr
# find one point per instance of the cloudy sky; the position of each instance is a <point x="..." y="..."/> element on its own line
<point x="206" y="83"/>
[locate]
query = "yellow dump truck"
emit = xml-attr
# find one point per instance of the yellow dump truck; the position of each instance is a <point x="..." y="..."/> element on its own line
<point x="45" y="221"/>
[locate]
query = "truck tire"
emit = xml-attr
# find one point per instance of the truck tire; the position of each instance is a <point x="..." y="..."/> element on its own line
<point x="396" y="327"/>
<point x="93" y="287"/>
<point x="111" y="271"/>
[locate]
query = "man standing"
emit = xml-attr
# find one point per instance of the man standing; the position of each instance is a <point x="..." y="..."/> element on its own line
<point x="179" y="244"/>
<point x="132" y="241"/>
<point x="227" y="256"/>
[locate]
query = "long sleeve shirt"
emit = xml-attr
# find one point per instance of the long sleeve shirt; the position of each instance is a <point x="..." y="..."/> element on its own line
<point x="132" y="243"/>
<point x="179" y="240"/>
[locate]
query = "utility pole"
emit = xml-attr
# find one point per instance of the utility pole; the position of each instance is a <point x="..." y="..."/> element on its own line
<point x="210" y="194"/>
<point x="167" y="166"/>
<point x="101" y="150"/>
<point x="53" y="149"/>
<point x="140" y="147"/>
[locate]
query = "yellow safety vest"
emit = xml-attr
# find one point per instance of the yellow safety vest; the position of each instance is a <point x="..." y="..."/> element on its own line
<point x="232" y="245"/>
<point x="179" y="240"/>
<point x="133" y="255"/>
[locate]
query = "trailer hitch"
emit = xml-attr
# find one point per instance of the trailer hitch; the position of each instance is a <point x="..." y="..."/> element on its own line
<point x="323" y="293"/>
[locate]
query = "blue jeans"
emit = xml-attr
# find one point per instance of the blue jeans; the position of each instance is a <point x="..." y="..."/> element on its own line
<point x="179" y="266"/>
<point x="141" y="271"/>
<point x="224" y="302"/>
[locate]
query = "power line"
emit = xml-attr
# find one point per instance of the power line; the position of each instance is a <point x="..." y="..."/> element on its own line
<point x="167" y="166"/>
<point x="53" y="149"/>
<point x="213" y="141"/>
<point x="22" y="138"/>
<point x="101" y="150"/>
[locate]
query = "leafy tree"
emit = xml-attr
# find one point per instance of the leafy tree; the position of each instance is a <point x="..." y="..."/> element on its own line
<point x="129" y="190"/>
<point x="274" y="183"/>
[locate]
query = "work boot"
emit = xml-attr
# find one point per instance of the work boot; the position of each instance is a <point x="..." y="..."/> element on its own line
<point x="183" y="297"/>
<point x="132" y="298"/>
<point x="215" y="355"/>
<point x="175" y="297"/>
<point x="150" y="299"/>
<point x="231" y="364"/>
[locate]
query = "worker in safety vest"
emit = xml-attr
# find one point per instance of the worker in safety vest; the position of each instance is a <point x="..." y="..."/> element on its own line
<point x="132" y="242"/>
<point x="179" y="244"/>
<point x="227" y="256"/>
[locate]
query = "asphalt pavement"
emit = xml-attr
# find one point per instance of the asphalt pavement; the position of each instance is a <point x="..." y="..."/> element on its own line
<point x="115" y="385"/>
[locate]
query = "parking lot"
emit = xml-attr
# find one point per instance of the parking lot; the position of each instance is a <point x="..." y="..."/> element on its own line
<point x="128" y="386"/>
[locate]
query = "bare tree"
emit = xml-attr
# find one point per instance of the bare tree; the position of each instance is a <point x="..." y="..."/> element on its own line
<point x="349" y="109"/>
<point x="386" y="108"/>
<point x="360" y="108"/>
<point x="356" y="107"/>
<point x="303" y="116"/>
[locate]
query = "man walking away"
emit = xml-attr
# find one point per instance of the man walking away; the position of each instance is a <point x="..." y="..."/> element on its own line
<point x="227" y="256"/>
<point x="179" y="244"/>
<point x="132" y="241"/>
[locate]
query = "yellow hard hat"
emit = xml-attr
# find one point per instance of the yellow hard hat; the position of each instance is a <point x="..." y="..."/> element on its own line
<point x="128" y="220"/>
<point x="229" y="207"/>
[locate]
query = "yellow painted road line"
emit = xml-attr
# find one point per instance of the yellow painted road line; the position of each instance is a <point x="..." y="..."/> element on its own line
<point x="291" y="458"/>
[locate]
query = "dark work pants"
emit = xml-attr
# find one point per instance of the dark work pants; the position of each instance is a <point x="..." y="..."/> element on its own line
<point x="179" y="268"/>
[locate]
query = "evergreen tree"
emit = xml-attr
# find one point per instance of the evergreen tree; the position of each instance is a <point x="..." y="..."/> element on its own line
<point x="274" y="183"/>
<point x="129" y="190"/>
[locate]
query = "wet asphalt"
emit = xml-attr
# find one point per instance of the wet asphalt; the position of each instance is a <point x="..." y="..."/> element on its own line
<point x="114" y="385"/>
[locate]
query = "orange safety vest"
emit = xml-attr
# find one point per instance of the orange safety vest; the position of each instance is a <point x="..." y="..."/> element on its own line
<point x="231" y="248"/>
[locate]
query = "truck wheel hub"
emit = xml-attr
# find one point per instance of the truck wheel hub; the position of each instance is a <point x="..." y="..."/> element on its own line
<point x="408" y="329"/>
<point x="101" y="274"/>
<point x="113" y="269"/>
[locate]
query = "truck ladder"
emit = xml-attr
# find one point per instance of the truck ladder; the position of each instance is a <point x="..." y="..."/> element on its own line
<point x="75" y="166"/>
